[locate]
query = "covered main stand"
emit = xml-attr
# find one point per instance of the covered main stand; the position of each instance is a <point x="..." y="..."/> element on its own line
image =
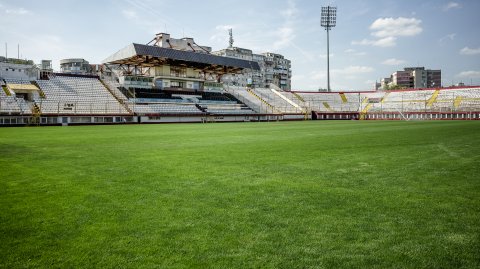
<point x="173" y="63"/>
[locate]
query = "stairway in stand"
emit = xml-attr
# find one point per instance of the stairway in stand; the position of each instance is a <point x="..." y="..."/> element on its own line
<point x="298" y="96"/>
<point x="263" y="101"/>
<point x="116" y="97"/>
<point x="364" y="111"/>
<point x="36" y="113"/>
<point x="433" y="99"/>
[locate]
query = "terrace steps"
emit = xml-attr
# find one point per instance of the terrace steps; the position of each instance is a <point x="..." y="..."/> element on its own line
<point x="40" y="92"/>
<point x="6" y="90"/>
<point x="458" y="101"/>
<point x="286" y="99"/>
<point x="121" y="101"/>
<point x="433" y="98"/>
<point x="298" y="96"/>
<point x="36" y="112"/>
<point x="385" y="97"/>
<point x="366" y="108"/>
<point x="327" y="106"/>
<point x="262" y="100"/>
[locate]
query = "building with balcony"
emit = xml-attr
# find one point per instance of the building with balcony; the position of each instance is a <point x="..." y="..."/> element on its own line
<point x="413" y="77"/>
<point x="76" y="66"/>
<point x="274" y="68"/>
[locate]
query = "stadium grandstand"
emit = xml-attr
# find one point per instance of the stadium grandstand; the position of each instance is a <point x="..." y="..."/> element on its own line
<point x="177" y="80"/>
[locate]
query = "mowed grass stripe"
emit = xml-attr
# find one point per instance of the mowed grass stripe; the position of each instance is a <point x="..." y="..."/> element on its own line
<point x="271" y="195"/>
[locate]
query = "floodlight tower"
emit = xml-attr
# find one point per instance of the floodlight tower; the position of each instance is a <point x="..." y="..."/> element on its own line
<point x="328" y="20"/>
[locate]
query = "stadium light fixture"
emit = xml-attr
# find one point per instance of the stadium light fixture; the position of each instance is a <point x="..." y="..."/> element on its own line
<point x="328" y="21"/>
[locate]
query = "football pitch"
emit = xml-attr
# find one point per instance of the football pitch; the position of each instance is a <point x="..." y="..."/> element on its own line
<point x="308" y="194"/>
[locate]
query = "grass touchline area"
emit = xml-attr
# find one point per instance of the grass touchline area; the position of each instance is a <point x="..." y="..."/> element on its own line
<point x="312" y="194"/>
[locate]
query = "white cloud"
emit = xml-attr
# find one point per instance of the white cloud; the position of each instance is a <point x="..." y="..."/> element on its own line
<point x="387" y="30"/>
<point x="318" y="78"/>
<point x="393" y="61"/>
<point x="318" y="75"/>
<point x="391" y="27"/>
<point x="291" y="12"/>
<point x="17" y="11"/>
<point x="286" y="33"/>
<point x="44" y="46"/>
<point x="355" y="53"/>
<point x="353" y="70"/>
<point x="298" y="77"/>
<point x="152" y="18"/>
<point x="383" y="42"/>
<point x="261" y="37"/>
<point x="224" y="27"/>
<point x="451" y="5"/>
<point x="129" y="14"/>
<point x="324" y="56"/>
<point x="450" y="37"/>
<point x="469" y="51"/>
<point x="469" y="74"/>
<point x="220" y="34"/>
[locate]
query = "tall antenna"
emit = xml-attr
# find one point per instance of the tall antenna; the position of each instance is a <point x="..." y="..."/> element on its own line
<point x="328" y="21"/>
<point x="230" y="40"/>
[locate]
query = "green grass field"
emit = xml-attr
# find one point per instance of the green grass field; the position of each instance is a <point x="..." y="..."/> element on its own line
<point x="242" y="195"/>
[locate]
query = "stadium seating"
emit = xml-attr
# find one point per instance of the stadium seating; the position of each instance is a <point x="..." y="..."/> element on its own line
<point x="458" y="100"/>
<point x="17" y="81"/>
<point x="274" y="99"/>
<point x="226" y="108"/>
<point x="187" y="102"/>
<point x="249" y="99"/>
<point x="114" y="87"/>
<point x="80" y="95"/>
<point x="294" y="97"/>
<point x="11" y="104"/>
<point x="164" y="108"/>
<point x="330" y="102"/>
<point x="77" y="95"/>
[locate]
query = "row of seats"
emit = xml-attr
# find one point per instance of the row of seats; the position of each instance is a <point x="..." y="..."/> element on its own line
<point x="65" y="107"/>
<point x="83" y="95"/>
<point x="275" y="100"/>
<point x="88" y="95"/>
<point x="248" y="99"/>
<point x="13" y="105"/>
<point x="114" y="87"/>
<point x="163" y="108"/>
<point x="217" y="109"/>
<point x="420" y="100"/>
<point x="17" y="81"/>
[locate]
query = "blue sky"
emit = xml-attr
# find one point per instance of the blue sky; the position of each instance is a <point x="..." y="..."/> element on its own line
<point x="372" y="39"/>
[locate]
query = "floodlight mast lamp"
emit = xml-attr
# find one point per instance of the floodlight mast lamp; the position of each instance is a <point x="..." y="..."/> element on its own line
<point x="328" y="20"/>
